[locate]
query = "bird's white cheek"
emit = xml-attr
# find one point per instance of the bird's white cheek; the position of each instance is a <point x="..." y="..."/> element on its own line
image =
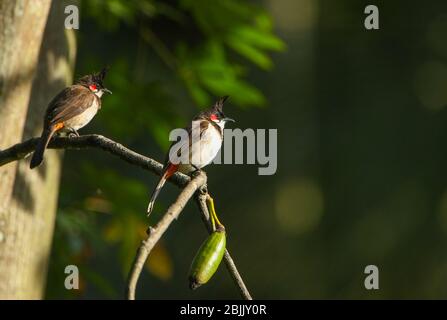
<point x="99" y="93"/>
<point x="221" y="124"/>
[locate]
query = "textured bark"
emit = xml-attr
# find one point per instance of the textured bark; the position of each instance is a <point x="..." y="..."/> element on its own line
<point x="36" y="61"/>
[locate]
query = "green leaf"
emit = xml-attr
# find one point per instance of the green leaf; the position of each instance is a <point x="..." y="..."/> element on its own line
<point x="252" y="53"/>
<point x="256" y="37"/>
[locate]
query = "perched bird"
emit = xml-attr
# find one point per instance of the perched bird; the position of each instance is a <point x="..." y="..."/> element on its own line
<point x="73" y="108"/>
<point x="204" y="141"/>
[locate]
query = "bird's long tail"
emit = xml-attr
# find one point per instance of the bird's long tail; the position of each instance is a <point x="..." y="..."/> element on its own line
<point x="169" y="171"/>
<point x="45" y="138"/>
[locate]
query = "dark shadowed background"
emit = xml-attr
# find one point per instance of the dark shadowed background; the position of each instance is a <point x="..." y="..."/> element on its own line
<point x="361" y="173"/>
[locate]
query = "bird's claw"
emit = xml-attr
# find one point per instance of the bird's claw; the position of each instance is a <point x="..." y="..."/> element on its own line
<point x="73" y="133"/>
<point x="196" y="172"/>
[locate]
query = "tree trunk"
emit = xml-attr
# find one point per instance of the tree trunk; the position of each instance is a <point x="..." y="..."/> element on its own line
<point x="36" y="61"/>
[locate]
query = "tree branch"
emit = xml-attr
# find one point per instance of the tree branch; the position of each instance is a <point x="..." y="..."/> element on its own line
<point x="24" y="149"/>
<point x="155" y="233"/>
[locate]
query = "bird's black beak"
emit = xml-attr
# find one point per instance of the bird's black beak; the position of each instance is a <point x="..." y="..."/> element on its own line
<point x="107" y="90"/>
<point x="228" y="119"/>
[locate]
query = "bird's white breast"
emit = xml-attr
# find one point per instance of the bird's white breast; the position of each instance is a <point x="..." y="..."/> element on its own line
<point x="210" y="144"/>
<point x="203" y="150"/>
<point x="84" y="118"/>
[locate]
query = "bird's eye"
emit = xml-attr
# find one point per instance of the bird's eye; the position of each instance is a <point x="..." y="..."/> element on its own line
<point x="93" y="87"/>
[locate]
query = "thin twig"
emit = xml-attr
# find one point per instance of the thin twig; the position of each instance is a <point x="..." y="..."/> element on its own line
<point x="155" y="233"/>
<point x="232" y="269"/>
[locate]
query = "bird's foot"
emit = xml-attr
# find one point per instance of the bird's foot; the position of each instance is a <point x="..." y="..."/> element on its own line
<point x="196" y="171"/>
<point x="73" y="133"/>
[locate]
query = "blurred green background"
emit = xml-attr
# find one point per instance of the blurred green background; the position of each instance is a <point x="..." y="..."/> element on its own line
<point x="361" y="160"/>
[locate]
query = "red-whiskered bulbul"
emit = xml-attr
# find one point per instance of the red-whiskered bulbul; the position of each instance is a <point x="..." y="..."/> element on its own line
<point x="208" y="126"/>
<point x="70" y="110"/>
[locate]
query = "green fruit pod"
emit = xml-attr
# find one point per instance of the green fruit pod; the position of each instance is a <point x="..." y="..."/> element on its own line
<point x="208" y="258"/>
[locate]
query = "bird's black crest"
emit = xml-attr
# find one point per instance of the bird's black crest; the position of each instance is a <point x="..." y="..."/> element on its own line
<point x="95" y="78"/>
<point x="219" y="104"/>
<point x="99" y="77"/>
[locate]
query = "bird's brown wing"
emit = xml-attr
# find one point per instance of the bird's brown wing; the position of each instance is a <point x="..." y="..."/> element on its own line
<point x="70" y="102"/>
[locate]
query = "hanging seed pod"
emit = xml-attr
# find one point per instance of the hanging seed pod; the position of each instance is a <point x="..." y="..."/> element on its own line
<point x="208" y="258"/>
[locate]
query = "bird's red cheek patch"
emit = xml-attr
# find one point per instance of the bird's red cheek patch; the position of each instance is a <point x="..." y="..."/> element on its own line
<point x="92" y="87"/>
<point x="213" y="117"/>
